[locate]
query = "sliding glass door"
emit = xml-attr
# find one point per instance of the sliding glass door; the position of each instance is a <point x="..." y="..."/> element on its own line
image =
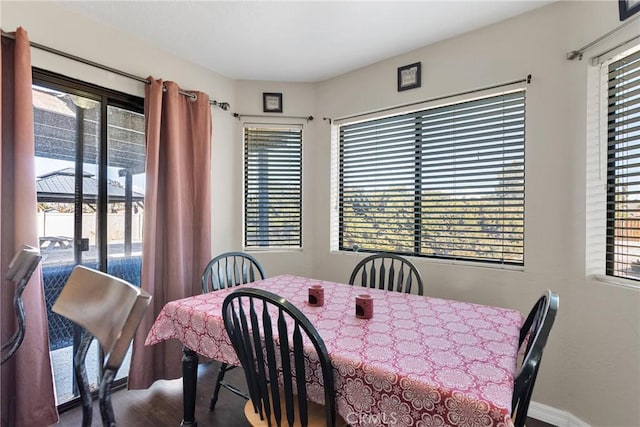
<point x="89" y="145"/>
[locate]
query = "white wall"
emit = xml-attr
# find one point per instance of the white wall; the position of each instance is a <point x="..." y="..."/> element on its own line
<point x="592" y="363"/>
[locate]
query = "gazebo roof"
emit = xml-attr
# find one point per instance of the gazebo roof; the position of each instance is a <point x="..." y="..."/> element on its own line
<point x="59" y="187"/>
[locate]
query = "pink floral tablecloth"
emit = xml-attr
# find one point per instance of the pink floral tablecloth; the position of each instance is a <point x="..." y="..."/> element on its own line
<point x="418" y="361"/>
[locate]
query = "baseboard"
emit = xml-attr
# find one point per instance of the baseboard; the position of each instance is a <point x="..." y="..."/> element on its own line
<point x="556" y="417"/>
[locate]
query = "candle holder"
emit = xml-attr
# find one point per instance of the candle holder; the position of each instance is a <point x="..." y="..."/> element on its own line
<point x="364" y="306"/>
<point x="316" y="295"/>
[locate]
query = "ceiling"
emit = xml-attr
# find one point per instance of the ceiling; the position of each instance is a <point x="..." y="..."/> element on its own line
<point x="295" y="41"/>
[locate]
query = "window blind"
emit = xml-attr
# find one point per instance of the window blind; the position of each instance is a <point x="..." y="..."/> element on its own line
<point x="445" y="182"/>
<point x="623" y="168"/>
<point x="272" y="187"/>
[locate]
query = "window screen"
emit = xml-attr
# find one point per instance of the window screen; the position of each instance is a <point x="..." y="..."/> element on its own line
<point x="623" y="168"/>
<point x="446" y="182"/>
<point x="272" y="187"/>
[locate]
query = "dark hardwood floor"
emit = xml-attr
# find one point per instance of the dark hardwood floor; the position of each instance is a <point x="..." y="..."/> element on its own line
<point x="161" y="404"/>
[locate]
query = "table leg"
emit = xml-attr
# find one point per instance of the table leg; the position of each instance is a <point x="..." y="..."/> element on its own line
<point x="189" y="383"/>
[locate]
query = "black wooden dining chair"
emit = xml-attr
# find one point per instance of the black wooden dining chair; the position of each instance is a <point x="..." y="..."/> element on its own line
<point x="387" y="271"/>
<point x="225" y="271"/>
<point x="109" y="309"/>
<point x="269" y="335"/>
<point x="533" y="338"/>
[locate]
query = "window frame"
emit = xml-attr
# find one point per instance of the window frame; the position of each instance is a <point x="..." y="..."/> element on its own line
<point x="273" y="127"/>
<point x="613" y="265"/>
<point x="337" y="189"/>
<point x="107" y="98"/>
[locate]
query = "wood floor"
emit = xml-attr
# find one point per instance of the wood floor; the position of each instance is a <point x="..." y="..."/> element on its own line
<point x="161" y="404"/>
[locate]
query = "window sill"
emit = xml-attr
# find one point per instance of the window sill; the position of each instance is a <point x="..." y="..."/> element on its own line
<point x="271" y="250"/>
<point x="616" y="281"/>
<point x="444" y="261"/>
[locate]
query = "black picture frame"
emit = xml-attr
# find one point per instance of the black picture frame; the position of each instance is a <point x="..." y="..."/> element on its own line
<point x="628" y="8"/>
<point x="271" y="102"/>
<point x="409" y="76"/>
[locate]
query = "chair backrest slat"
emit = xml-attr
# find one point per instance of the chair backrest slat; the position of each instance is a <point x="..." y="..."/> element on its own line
<point x="260" y="362"/>
<point x="382" y="275"/>
<point x="398" y="275"/>
<point x="231" y="269"/>
<point x="271" y="361"/>
<point x="298" y="354"/>
<point x="242" y="350"/>
<point x="287" y="376"/>
<point x="372" y="276"/>
<point x="392" y="285"/>
<point x="282" y="359"/>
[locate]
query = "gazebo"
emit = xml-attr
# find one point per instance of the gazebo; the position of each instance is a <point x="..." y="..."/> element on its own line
<point x="67" y="129"/>
<point x="60" y="187"/>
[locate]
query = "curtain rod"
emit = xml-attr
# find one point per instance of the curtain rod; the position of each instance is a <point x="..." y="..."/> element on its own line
<point x="601" y="54"/>
<point x="578" y="52"/>
<point x="222" y="105"/>
<point x="382" y="110"/>
<point x="239" y="116"/>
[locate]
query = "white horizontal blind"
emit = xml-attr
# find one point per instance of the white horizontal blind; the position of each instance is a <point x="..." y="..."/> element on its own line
<point x="272" y="187"/>
<point x="623" y="168"/>
<point x="445" y="182"/>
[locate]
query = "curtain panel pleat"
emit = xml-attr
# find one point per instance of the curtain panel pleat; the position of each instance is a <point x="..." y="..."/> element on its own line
<point x="177" y="227"/>
<point x="26" y="391"/>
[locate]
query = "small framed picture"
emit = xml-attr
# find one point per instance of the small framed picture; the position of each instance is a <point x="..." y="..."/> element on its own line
<point x="409" y="76"/>
<point x="628" y="8"/>
<point x="271" y="102"/>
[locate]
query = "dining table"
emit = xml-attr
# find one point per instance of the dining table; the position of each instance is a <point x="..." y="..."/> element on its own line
<point x="418" y="361"/>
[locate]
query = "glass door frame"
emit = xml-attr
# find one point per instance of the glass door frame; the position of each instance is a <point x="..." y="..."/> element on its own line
<point x="106" y="97"/>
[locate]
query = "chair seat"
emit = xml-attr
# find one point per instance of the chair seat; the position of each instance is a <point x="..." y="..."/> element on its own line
<point x="317" y="416"/>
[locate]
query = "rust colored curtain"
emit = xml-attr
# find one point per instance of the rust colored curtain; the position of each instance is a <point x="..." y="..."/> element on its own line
<point x="177" y="223"/>
<point x="26" y="394"/>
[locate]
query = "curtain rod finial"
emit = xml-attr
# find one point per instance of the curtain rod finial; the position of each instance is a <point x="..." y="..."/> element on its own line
<point x="529" y="79"/>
